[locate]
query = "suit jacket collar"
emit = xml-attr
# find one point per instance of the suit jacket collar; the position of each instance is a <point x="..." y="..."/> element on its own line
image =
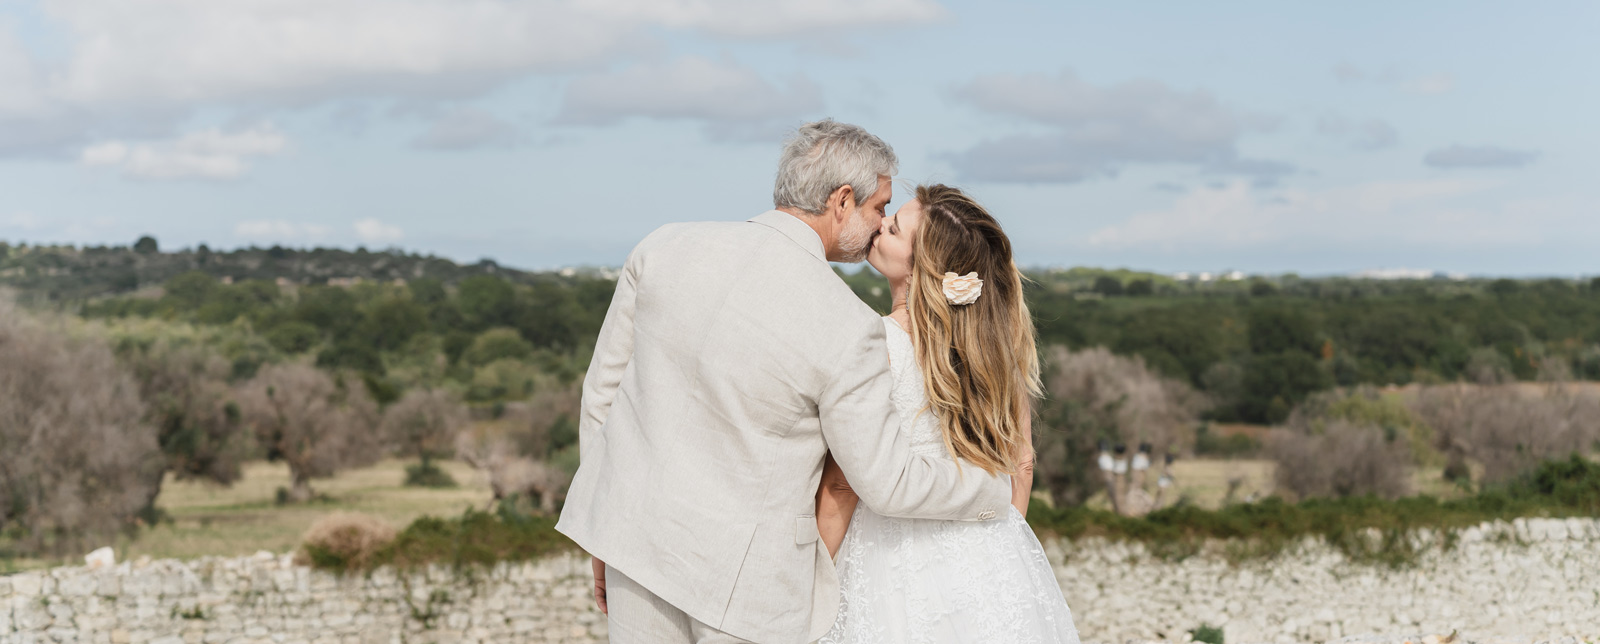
<point x="794" y="229"/>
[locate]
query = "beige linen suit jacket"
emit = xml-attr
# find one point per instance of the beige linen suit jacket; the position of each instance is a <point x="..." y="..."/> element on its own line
<point x="732" y="358"/>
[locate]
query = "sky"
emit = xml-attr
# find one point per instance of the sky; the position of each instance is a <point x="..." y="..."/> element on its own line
<point x="1266" y="137"/>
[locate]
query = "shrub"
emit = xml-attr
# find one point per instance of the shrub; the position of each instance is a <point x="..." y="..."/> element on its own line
<point x="1505" y="429"/>
<point x="1207" y="633"/>
<point x="1340" y="459"/>
<point x="476" y="538"/>
<point x="428" y="475"/>
<point x="345" y="540"/>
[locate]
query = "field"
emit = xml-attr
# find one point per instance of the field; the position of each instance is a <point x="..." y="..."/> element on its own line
<point x="245" y="518"/>
<point x="207" y="520"/>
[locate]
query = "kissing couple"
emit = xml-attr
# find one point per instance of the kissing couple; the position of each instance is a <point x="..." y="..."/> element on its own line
<point x="765" y="459"/>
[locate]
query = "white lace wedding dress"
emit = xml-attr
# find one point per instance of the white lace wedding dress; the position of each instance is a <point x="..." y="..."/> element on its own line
<point x="942" y="582"/>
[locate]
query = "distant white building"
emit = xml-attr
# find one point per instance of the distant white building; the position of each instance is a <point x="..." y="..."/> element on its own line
<point x="1395" y="274"/>
<point x="1233" y="276"/>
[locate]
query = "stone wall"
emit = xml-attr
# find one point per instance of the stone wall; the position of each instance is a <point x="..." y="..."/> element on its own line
<point x="1535" y="579"/>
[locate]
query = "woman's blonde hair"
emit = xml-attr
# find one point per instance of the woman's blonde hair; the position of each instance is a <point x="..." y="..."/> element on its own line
<point x="979" y="364"/>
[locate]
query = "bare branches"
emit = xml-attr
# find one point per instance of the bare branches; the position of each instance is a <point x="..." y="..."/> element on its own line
<point x="314" y="423"/>
<point x="1507" y="429"/>
<point x="424" y="423"/>
<point x="1093" y="395"/>
<point x="75" y="453"/>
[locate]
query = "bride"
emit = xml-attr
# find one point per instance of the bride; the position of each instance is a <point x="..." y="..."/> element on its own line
<point x="961" y="351"/>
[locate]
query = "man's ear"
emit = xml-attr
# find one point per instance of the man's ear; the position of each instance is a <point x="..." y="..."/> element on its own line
<point x="839" y="203"/>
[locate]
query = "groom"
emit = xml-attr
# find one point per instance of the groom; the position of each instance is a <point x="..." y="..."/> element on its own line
<point x="731" y="361"/>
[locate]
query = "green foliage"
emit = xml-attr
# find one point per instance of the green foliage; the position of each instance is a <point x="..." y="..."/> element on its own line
<point x="146" y="246"/>
<point x="1209" y="443"/>
<point x="294" y="337"/>
<point x="476" y="538"/>
<point x="1207" y="633"/>
<point x="498" y="344"/>
<point x="1364" y="528"/>
<point x="1275" y="383"/>
<point x="428" y="474"/>
<point x="1280" y="329"/>
<point x="1108" y="285"/>
<point x="1354" y="331"/>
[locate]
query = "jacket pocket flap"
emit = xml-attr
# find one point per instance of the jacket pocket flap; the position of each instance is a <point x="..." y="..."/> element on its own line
<point x="805" y="531"/>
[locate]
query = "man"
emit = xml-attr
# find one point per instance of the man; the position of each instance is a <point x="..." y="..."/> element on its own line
<point x="731" y="361"/>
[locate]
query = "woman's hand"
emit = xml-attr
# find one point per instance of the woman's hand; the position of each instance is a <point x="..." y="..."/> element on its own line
<point x="599" y="583"/>
<point x="836" y="502"/>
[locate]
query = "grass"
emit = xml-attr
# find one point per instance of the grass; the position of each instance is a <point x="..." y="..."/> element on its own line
<point x="210" y="520"/>
<point x="1365" y="528"/>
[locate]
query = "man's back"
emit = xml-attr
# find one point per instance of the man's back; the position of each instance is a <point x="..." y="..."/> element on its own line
<point x="703" y="424"/>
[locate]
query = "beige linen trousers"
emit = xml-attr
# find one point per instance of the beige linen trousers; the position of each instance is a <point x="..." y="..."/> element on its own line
<point x="731" y="360"/>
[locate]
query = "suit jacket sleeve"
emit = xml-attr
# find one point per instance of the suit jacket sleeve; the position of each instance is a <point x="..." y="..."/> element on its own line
<point x="862" y="430"/>
<point x="613" y="350"/>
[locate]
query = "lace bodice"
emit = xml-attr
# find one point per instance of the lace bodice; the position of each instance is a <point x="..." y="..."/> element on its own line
<point x="910" y="399"/>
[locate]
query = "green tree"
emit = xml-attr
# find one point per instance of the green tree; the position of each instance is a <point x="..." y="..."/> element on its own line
<point x="1279" y="329"/>
<point x="1108" y="285"/>
<point x="391" y="321"/>
<point x="498" y="344"/>
<point x="1142" y="287"/>
<point x="188" y="291"/>
<point x="1275" y="383"/>
<point x="487" y="301"/>
<point x="294" y="337"/>
<point x="329" y="308"/>
<point x="146" y="246"/>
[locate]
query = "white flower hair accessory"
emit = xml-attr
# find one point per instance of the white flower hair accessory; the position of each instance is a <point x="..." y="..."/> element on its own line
<point x="962" y="289"/>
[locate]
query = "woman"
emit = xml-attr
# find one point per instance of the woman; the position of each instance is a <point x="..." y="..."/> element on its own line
<point x="961" y="351"/>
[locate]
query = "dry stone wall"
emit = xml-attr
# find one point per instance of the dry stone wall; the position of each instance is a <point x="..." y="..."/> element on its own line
<point x="1532" y="580"/>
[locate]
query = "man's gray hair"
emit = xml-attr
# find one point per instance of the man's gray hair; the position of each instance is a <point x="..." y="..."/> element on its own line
<point x="826" y="155"/>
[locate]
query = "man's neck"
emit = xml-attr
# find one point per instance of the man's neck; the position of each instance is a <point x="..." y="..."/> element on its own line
<point x="818" y="224"/>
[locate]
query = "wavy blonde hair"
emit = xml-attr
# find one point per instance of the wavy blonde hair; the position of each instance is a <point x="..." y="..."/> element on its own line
<point x="979" y="363"/>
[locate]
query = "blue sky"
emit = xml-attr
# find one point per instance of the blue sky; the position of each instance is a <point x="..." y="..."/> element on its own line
<point x="1260" y="136"/>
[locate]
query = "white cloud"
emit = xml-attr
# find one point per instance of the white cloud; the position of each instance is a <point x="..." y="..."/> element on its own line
<point x="279" y="230"/>
<point x="1096" y="130"/>
<point x="722" y="93"/>
<point x="465" y="128"/>
<point x="206" y="154"/>
<point x="154" y="62"/>
<point x="768" y="18"/>
<point x="373" y="231"/>
<point x="25" y="221"/>
<point x="1234" y="216"/>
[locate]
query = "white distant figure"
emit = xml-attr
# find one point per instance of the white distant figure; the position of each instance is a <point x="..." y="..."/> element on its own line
<point x="101" y="557"/>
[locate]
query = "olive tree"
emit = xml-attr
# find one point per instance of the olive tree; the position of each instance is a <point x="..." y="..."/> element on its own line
<point x="311" y="420"/>
<point x="190" y="404"/>
<point x="423" y="424"/>
<point x="76" y="455"/>
<point x="1094" y="395"/>
<point x="532" y="450"/>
